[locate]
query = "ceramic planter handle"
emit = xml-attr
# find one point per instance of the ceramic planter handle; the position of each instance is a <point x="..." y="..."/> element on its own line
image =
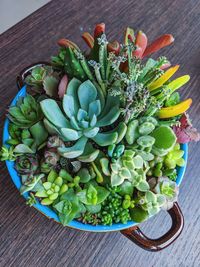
<point x="138" y="237"/>
<point x="22" y="75"/>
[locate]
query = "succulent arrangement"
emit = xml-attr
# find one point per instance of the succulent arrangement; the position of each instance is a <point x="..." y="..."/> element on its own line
<point x="97" y="136"/>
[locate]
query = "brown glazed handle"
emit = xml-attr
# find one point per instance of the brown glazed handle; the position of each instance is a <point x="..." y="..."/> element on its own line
<point x="22" y="75"/>
<point x="136" y="235"/>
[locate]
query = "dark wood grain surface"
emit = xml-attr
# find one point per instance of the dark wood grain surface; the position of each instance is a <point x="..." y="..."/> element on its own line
<point x="27" y="238"/>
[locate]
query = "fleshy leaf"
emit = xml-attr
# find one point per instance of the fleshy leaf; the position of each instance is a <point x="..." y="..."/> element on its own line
<point x="74" y="151"/>
<point x="110" y="117"/>
<point x="68" y="105"/>
<point x="105" y="139"/>
<point x="87" y="93"/>
<point x="70" y="134"/>
<point x="53" y="113"/>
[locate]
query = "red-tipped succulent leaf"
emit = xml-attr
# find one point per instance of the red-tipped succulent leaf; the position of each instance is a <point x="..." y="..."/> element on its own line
<point x="88" y="38"/>
<point x="99" y="29"/>
<point x="159" y="43"/>
<point x="114" y="47"/>
<point x="141" y="44"/>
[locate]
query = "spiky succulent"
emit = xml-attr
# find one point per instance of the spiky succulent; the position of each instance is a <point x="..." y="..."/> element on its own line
<point x="43" y="78"/>
<point x="84" y="118"/>
<point x="26" y="112"/>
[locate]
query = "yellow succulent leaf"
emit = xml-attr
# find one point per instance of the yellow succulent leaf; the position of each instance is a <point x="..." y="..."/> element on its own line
<point x="173" y="111"/>
<point x="128" y="32"/>
<point x="177" y="83"/>
<point x="164" y="78"/>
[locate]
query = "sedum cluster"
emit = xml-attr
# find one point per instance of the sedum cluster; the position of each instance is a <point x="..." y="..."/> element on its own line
<point x="95" y="136"/>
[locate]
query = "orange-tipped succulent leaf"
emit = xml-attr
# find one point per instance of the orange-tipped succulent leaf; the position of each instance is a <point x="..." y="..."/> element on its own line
<point x="88" y="38"/>
<point x="99" y="29"/>
<point x="67" y="43"/>
<point x="141" y="44"/>
<point x="163" y="78"/>
<point x="176" y="110"/>
<point x="114" y="47"/>
<point x="159" y="43"/>
<point x="128" y="32"/>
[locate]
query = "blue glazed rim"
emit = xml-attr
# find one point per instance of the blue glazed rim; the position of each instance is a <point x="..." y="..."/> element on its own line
<point x="50" y="213"/>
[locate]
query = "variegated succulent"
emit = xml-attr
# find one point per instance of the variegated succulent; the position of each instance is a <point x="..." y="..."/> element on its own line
<point x="83" y="117"/>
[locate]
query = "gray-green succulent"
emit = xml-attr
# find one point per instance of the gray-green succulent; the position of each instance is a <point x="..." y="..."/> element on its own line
<point x="83" y="118"/>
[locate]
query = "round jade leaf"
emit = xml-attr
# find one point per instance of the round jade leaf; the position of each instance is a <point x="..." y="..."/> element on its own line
<point x="164" y="136"/>
<point x="146" y="141"/>
<point x="146" y="128"/>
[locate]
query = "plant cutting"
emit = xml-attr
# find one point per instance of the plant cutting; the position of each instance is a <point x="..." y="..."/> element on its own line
<point x="96" y="137"/>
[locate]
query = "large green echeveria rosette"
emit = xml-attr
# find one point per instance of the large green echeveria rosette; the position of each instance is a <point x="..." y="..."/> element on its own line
<point x="83" y="117"/>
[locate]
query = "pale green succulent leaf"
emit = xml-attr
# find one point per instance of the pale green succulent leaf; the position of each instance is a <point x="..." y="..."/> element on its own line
<point x="74" y="123"/>
<point x="116" y="179"/>
<point x="41" y="193"/>
<point x="82" y="115"/>
<point x="72" y="90"/>
<point x="105" y="139"/>
<point x="143" y="186"/>
<point x="105" y="166"/>
<point x="84" y="124"/>
<point x="153" y="210"/>
<point x="93" y="121"/>
<point x="68" y="106"/>
<point x="115" y="167"/>
<point x="150" y="196"/>
<point x="161" y="200"/>
<point x="125" y="173"/>
<point x="23" y="149"/>
<point x="87" y="93"/>
<point x="110" y="102"/>
<point x="89" y="154"/>
<point x="53" y="113"/>
<point x="70" y="134"/>
<point x="50" y="127"/>
<point x="74" y="151"/>
<point x="110" y="117"/>
<point x="91" y="132"/>
<point x="94" y="108"/>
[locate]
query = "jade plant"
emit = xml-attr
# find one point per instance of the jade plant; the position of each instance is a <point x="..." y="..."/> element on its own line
<point x="97" y="137"/>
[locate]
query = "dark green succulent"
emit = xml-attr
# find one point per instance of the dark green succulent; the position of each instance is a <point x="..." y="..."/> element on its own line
<point x="26" y="112"/>
<point x="85" y="116"/>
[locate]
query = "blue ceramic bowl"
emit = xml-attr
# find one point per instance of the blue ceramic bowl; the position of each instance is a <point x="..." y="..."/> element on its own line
<point x="50" y="213"/>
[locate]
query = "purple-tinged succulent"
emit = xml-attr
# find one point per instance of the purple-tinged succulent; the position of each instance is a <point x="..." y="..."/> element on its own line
<point x="26" y="164"/>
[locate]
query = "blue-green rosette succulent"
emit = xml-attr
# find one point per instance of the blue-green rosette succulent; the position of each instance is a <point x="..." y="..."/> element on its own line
<point x="83" y="117"/>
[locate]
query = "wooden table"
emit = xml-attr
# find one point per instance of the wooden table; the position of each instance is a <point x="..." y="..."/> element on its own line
<point x="27" y="238"/>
